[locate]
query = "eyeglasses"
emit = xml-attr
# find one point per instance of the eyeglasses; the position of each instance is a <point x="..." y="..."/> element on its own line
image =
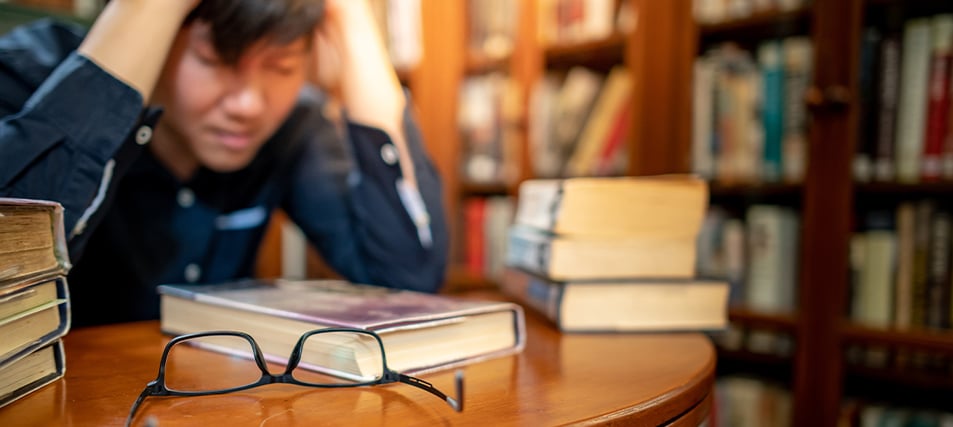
<point x="327" y="358"/>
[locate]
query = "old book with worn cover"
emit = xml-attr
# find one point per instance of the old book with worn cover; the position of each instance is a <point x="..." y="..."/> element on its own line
<point x="32" y="240"/>
<point x="647" y="206"/>
<point x="32" y="314"/>
<point x="31" y="372"/>
<point x="421" y="332"/>
<point x="633" y="305"/>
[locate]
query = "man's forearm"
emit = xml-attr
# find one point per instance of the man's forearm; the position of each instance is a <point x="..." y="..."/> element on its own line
<point x="131" y="39"/>
<point x="370" y="89"/>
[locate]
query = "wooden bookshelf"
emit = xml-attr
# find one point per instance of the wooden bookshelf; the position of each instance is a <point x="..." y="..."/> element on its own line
<point x="829" y="201"/>
<point x="660" y="111"/>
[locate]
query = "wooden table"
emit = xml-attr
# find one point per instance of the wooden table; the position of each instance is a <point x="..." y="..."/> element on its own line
<point x="630" y="379"/>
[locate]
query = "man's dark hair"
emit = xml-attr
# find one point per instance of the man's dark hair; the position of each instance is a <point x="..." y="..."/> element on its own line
<point x="237" y="24"/>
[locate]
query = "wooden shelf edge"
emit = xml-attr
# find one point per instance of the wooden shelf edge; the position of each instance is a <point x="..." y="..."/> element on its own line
<point x="939" y="340"/>
<point x="903" y="189"/>
<point x="717" y="189"/>
<point x="478" y="63"/>
<point x="755" y="20"/>
<point x="780" y="322"/>
<point x="459" y="279"/>
<point x="593" y="52"/>
<point x="484" y="189"/>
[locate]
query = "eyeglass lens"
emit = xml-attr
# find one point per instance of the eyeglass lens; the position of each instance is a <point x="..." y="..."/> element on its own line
<point x="327" y="358"/>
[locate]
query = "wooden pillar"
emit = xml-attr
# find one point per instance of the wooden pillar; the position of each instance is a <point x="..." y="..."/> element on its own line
<point x="826" y="217"/>
<point x="659" y="54"/>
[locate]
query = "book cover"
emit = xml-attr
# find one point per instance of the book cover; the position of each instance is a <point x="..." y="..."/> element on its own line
<point x="32" y="315"/>
<point x="32" y="372"/>
<point x="421" y="332"/>
<point x="623" y="305"/>
<point x="32" y="240"/>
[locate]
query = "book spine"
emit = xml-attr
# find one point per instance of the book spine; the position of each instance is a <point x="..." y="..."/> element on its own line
<point x="865" y="148"/>
<point x="938" y="94"/>
<point x="543" y="296"/>
<point x="911" y="119"/>
<point x="798" y="57"/>
<point x="924" y="213"/>
<point x="769" y="56"/>
<point x="527" y="253"/>
<point x="938" y="274"/>
<point x="888" y="95"/>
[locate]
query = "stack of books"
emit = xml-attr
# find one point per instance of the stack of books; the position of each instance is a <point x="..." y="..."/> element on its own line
<point x="613" y="254"/>
<point x="34" y="299"/>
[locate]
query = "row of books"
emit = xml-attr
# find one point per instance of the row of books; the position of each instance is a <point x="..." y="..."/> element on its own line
<point x="901" y="266"/>
<point x="400" y="25"/>
<point x="743" y="401"/>
<point x="485" y="222"/>
<point x="749" y="115"/>
<point x="492" y="27"/>
<point x="860" y="414"/>
<point x="756" y="251"/>
<point x="34" y="298"/>
<point x="488" y="119"/>
<point x="577" y="21"/>
<point x="906" y="119"/>
<point x="579" y="123"/>
<point x="613" y="254"/>
<point x="718" y="11"/>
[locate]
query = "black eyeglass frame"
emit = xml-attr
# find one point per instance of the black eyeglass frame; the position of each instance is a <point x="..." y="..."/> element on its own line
<point x="157" y="387"/>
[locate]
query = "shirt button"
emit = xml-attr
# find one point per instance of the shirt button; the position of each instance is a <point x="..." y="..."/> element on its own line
<point x="186" y="198"/>
<point x="192" y="273"/>
<point x="143" y="135"/>
<point x="389" y="154"/>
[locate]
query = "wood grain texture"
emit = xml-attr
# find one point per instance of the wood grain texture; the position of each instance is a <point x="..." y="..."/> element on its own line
<point x="631" y="379"/>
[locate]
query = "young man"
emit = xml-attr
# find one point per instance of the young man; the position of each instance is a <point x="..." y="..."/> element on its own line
<point x="173" y="129"/>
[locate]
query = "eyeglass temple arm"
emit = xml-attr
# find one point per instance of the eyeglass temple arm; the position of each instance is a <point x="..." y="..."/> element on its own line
<point x="146" y="392"/>
<point x="455" y="403"/>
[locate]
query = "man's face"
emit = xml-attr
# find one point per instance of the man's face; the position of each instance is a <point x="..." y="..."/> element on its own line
<point x="218" y="115"/>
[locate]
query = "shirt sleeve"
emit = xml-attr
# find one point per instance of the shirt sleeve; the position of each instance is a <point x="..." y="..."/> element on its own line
<point x="61" y="143"/>
<point x="349" y="200"/>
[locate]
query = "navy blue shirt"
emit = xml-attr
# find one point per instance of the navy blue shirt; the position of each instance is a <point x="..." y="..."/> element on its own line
<point x="73" y="133"/>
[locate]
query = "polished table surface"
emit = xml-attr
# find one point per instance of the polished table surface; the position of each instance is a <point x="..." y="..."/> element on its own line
<point x="622" y="379"/>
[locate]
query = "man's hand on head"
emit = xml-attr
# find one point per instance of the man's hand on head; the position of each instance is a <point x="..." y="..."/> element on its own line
<point x="115" y="40"/>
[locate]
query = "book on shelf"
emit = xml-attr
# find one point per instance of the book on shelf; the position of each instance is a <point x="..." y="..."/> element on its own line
<point x="912" y="107"/>
<point x="32" y="240"/>
<point x="622" y="305"/>
<point x="31" y="372"/>
<point x="566" y="258"/>
<point x="772" y="258"/>
<point x="644" y="206"/>
<point x="612" y="98"/>
<point x="421" y="332"/>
